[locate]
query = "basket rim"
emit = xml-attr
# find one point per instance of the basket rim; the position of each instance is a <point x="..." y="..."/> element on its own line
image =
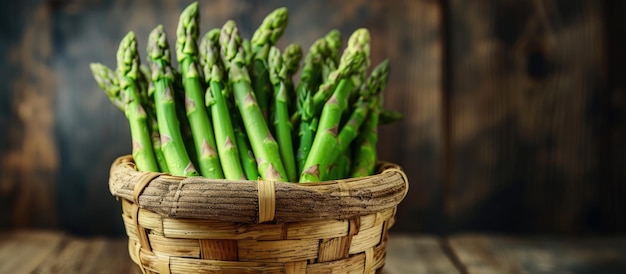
<point x="249" y="201"/>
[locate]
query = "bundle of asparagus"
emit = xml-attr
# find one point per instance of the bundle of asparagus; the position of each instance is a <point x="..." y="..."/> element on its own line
<point x="233" y="109"/>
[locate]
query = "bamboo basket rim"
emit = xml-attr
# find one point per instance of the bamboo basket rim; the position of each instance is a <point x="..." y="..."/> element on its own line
<point x="248" y="201"/>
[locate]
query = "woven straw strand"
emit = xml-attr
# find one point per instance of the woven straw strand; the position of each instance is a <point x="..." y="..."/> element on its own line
<point x="267" y="201"/>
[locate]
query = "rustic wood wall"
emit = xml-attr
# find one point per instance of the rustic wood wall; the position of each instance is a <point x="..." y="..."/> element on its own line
<point x="514" y="110"/>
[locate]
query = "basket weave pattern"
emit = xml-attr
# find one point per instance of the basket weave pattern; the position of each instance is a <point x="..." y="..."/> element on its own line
<point x="199" y="225"/>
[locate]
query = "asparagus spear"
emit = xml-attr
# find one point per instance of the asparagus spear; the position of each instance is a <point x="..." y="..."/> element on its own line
<point x="341" y="168"/>
<point x="248" y="161"/>
<point x="291" y="60"/>
<point x="185" y="128"/>
<point x="172" y="143"/>
<point x="358" y="42"/>
<point x="331" y="58"/>
<point x="368" y="92"/>
<point x="146" y="93"/>
<point x="155" y="136"/>
<point x="365" y="156"/>
<point x="333" y="40"/>
<point x="108" y="82"/>
<point x="201" y="127"/>
<point x="305" y="118"/>
<point x="278" y="74"/>
<point x="216" y="100"/>
<point x="127" y="73"/>
<point x="264" y="37"/>
<point x="355" y="57"/>
<point x="263" y="143"/>
<point x="247" y="48"/>
<point x="388" y="116"/>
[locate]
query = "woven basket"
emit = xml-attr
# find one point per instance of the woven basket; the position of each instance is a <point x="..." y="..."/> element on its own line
<point x="198" y="225"/>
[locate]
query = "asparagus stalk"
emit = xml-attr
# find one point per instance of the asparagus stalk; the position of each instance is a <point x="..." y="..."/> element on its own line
<point x="333" y="40"/>
<point x="146" y="93"/>
<point x="305" y="118"/>
<point x="217" y="101"/>
<point x="263" y="39"/>
<point x="355" y="57"/>
<point x="278" y="74"/>
<point x="163" y="78"/>
<point x="331" y="58"/>
<point x="201" y="127"/>
<point x="374" y="86"/>
<point x="185" y="128"/>
<point x="341" y="168"/>
<point x="388" y="116"/>
<point x="247" y="48"/>
<point x="263" y="143"/>
<point x="127" y="74"/>
<point x="155" y="136"/>
<point x="365" y="155"/>
<point x="108" y="82"/>
<point x="248" y="161"/>
<point x="291" y="60"/>
<point x="358" y="42"/>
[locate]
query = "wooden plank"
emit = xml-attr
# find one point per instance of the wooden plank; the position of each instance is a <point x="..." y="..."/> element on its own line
<point x="416" y="254"/>
<point x="22" y="251"/>
<point x="505" y="254"/>
<point x="524" y="76"/>
<point x="89" y="255"/>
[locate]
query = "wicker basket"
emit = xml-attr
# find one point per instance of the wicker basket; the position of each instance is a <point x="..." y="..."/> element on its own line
<point x="198" y="225"/>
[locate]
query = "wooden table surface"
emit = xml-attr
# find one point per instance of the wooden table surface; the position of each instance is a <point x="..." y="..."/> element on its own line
<point x="56" y="252"/>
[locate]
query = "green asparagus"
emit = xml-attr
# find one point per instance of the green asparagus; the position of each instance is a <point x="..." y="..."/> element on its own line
<point x="278" y="74"/>
<point x="201" y="127"/>
<point x="333" y="50"/>
<point x="262" y="142"/>
<point x="291" y="60"/>
<point x="355" y="57"/>
<point x="368" y="94"/>
<point x="172" y="143"/>
<point x="213" y="112"/>
<point x="217" y="101"/>
<point x="127" y="73"/>
<point x="305" y="118"/>
<point x="266" y="35"/>
<point x="108" y="82"/>
<point x="365" y="156"/>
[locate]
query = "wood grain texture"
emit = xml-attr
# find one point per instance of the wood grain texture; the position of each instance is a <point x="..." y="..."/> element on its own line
<point x="23" y="251"/>
<point x="41" y="251"/>
<point x="89" y="255"/>
<point x="524" y="76"/>
<point x="503" y="254"/>
<point x="411" y="254"/>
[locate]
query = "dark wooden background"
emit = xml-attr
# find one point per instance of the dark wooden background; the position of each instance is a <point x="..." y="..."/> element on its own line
<point x="515" y="110"/>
